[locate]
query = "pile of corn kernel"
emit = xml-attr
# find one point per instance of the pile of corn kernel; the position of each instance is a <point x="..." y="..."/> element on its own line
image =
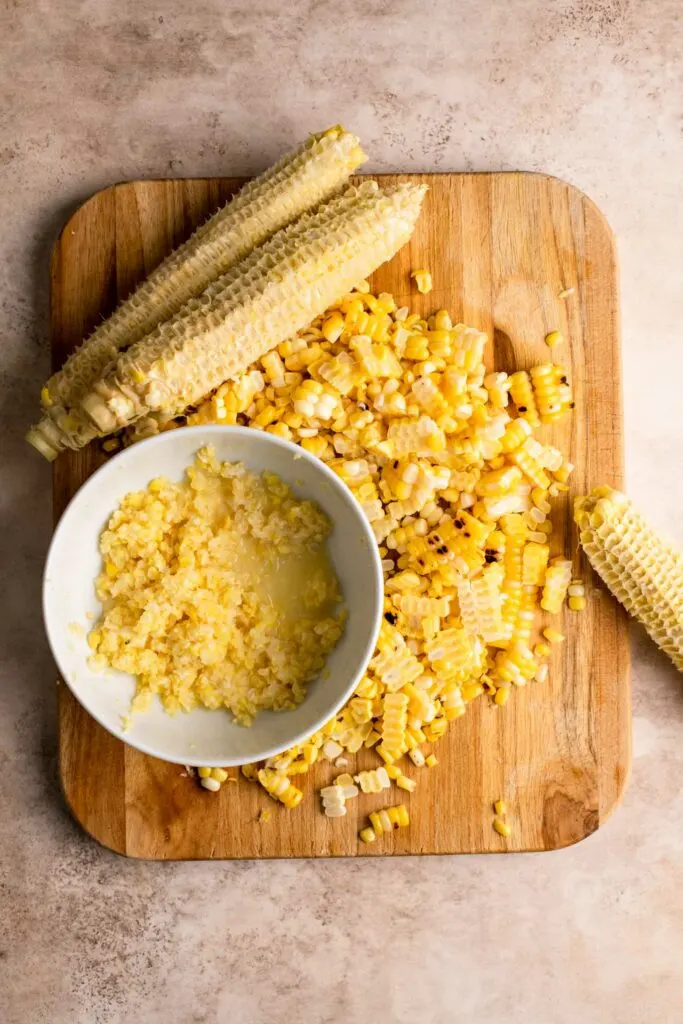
<point x="443" y="458"/>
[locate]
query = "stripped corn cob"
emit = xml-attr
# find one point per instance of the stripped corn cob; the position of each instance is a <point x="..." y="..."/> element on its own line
<point x="290" y="279"/>
<point x="643" y="571"/>
<point x="296" y="183"/>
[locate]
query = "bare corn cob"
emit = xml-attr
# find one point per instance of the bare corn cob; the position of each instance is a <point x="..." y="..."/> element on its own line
<point x="282" y="287"/>
<point x="296" y="183"/>
<point x="79" y="429"/>
<point x="644" y="572"/>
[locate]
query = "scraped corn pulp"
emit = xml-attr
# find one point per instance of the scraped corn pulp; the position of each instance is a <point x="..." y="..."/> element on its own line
<point x="217" y="591"/>
<point x="442" y="457"/>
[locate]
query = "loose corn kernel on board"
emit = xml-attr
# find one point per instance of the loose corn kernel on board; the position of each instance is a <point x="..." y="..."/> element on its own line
<point x="501" y="248"/>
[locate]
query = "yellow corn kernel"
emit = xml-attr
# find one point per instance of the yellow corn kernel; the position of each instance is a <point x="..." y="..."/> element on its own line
<point x="264" y="816"/>
<point x="213" y="785"/>
<point x="500" y="807"/>
<point x="219" y="774"/>
<point x="267" y="415"/>
<point x="554" y="338"/>
<point x="576" y="604"/>
<point x="431" y="761"/>
<point x="423" y="281"/>
<point x="398" y="816"/>
<point x="502" y="695"/>
<point x="403" y="782"/>
<point x="501" y="828"/>
<point x="333" y="327"/>
<point x="387" y="756"/>
<point x="368" y="835"/>
<point x="392" y="771"/>
<point x="552" y="635"/>
<point x="204" y="773"/>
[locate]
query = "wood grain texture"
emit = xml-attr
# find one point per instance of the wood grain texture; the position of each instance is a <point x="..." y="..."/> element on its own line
<point x="500" y="247"/>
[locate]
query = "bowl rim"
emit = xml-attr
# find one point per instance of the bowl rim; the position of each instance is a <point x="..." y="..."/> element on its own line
<point x="166" y="437"/>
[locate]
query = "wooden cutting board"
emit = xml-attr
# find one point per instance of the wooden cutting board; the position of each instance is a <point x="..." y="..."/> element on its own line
<point x="501" y="247"/>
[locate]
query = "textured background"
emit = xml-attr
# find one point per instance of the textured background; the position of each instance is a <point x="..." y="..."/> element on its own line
<point x="93" y="92"/>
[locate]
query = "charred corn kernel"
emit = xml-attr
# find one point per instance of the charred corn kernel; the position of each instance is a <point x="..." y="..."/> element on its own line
<point x="642" y="570"/>
<point x="431" y="761"/>
<point x="296" y="183"/>
<point x="501" y="827"/>
<point x="219" y="774"/>
<point x="522" y="395"/>
<point x="204" y="773"/>
<point x="551" y="390"/>
<point x="554" y="338"/>
<point x="500" y="807"/>
<point x="367" y="835"/>
<point x="398" y="816"/>
<point x="552" y="635"/>
<point x="213" y="785"/>
<point x="423" y="281"/>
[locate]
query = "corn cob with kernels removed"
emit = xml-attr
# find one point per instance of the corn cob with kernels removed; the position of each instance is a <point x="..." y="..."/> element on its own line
<point x="278" y="290"/>
<point x="295" y="184"/>
<point x="644" y="572"/>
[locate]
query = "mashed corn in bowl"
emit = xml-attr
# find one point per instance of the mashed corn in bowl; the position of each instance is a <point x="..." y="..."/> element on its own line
<point x="263" y="626"/>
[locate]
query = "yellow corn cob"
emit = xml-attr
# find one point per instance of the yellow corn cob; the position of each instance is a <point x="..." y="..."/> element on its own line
<point x="643" y="571"/>
<point x="296" y="183"/>
<point x="288" y="281"/>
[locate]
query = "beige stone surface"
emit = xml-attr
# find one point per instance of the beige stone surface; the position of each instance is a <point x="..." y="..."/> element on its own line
<point x="94" y="91"/>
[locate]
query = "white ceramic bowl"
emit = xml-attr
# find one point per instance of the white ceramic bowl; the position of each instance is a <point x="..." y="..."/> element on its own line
<point x="204" y="737"/>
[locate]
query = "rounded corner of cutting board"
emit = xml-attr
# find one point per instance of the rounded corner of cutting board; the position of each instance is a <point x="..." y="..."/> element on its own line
<point x="591" y="206"/>
<point x="90" y="827"/>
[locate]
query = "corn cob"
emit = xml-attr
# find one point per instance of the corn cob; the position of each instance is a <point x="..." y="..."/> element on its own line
<point x="275" y="292"/>
<point x="296" y="183"/>
<point x="644" y="572"/>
